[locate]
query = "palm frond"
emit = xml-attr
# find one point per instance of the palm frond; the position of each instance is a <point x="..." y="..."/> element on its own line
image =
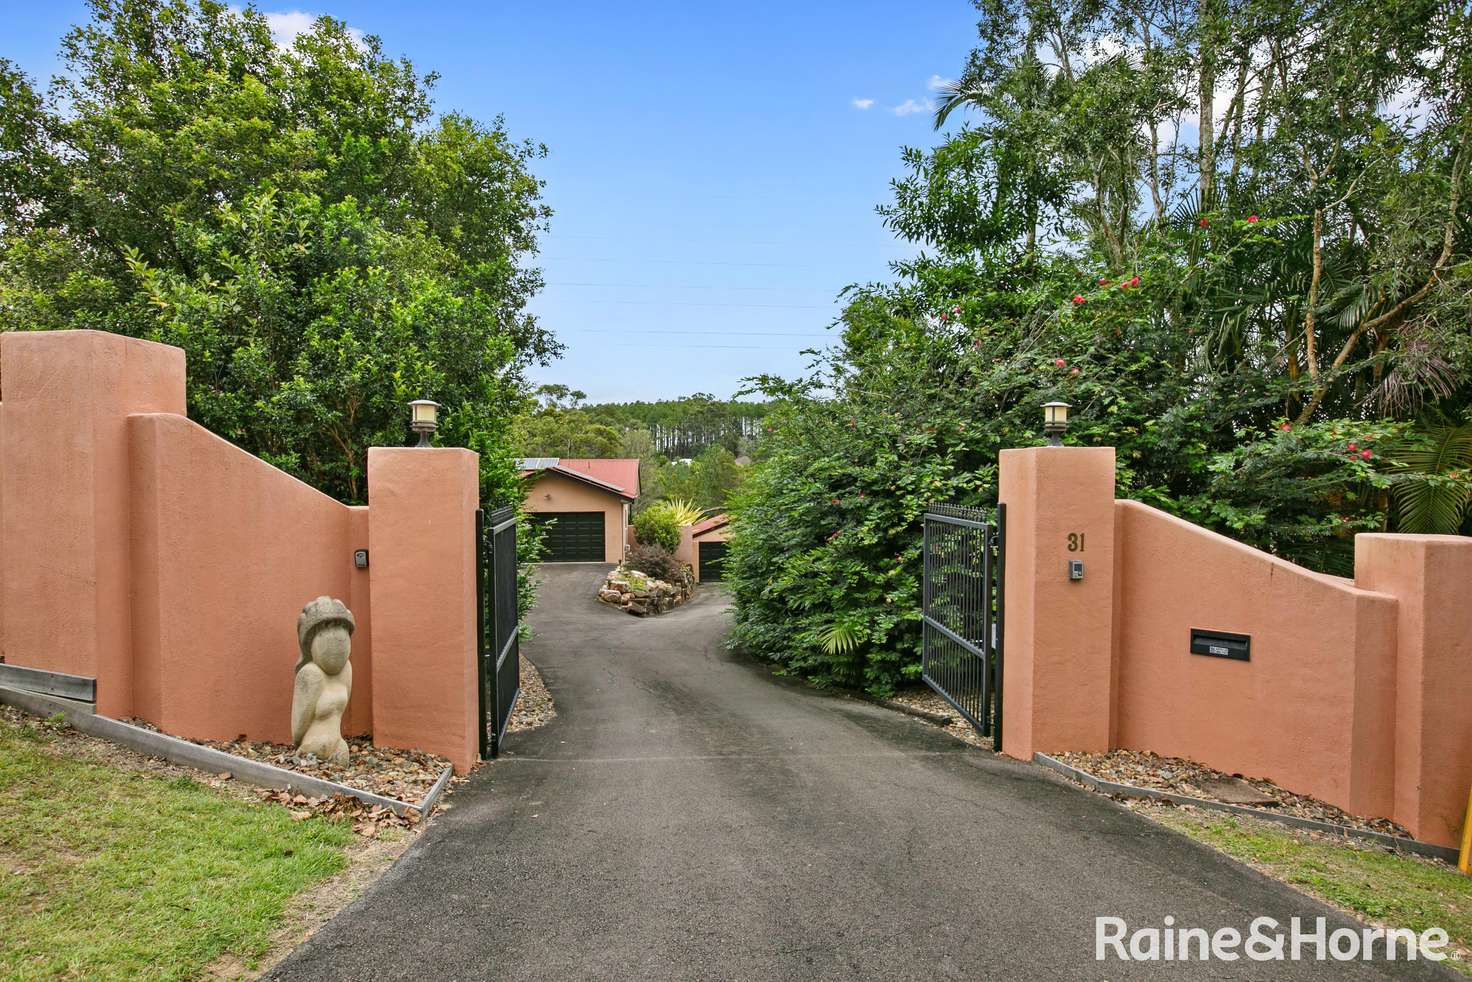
<point x="951" y="96"/>
<point x="1431" y="480"/>
<point x="839" y="638"/>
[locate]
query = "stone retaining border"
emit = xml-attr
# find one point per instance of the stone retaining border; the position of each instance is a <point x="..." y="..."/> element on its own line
<point x="1430" y="850"/>
<point x="80" y="717"/>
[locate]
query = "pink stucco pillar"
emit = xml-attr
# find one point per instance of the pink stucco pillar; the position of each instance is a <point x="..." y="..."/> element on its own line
<point x="421" y="572"/>
<point x="1057" y="691"/>
<point x="64" y="524"/>
<point x="1431" y="578"/>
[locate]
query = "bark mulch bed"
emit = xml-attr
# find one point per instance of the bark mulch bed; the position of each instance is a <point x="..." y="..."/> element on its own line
<point x="367" y="820"/>
<point x="535" y="707"/>
<point x="1186" y="777"/>
<point x="403" y="774"/>
<point x="929" y="702"/>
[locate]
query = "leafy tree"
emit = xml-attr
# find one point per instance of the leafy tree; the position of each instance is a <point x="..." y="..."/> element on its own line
<point x="1234" y="235"/>
<point x="706" y="482"/>
<point x="680" y="428"/>
<point x="320" y="243"/>
<point x="556" y="432"/>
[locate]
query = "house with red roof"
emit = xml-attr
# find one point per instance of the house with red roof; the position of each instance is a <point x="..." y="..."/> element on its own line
<point x="584" y="504"/>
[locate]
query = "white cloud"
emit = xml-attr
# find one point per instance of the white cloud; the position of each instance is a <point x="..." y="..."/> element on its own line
<point x="862" y="103"/>
<point x="285" y="25"/>
<point x="910" y="106"/>
<point x="937" y="83"/>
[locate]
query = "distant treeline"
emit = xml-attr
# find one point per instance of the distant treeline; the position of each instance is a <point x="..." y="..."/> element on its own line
<point x="686" y="427"/>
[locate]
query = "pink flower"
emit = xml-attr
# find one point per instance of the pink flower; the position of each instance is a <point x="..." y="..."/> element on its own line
<point x="1059" y="362"/>
<point x="1103" y="281"/>
<point x="1078" y="298"/>
<point x="1203" y="223"/>
<point x="1285" y="427"/>
<point x="1073" y="371"/>
<point x="1365" y="455"/>
<point x="1251" y="219"/>
<point x="1352" y="446"/>
<point x="942" y="315"/>
<point x="956" y="309"/>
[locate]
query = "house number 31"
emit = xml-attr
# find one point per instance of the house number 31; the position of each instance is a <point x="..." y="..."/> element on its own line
<point x="1075" y="542"/>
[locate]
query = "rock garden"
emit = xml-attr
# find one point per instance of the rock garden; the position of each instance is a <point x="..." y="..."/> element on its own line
<point x="650" y="581"/>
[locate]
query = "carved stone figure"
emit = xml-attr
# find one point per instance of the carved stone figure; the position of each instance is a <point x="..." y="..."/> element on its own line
<point x="324" y="679"/>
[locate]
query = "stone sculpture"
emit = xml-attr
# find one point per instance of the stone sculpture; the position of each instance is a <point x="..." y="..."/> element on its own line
<point x="324" y="679"/>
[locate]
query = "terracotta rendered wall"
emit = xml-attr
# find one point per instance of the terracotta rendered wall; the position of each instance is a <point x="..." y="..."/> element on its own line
<point x="1356" y="692"/>
<point x="421" y="523"/>
<point x="226" y="551"/>
<point x="1431" y="577"/>
<point x="1314" y="707"/>
<point x="685" y="551"/>
<point x="64" y="526"/>
<point x="1058" y="632"/>
<point x="553" y="492"/>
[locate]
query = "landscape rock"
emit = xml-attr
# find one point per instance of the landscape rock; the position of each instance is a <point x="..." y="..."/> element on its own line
<point x="642" y="596"/>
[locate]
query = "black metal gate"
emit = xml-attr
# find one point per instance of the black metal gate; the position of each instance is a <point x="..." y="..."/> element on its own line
<point x="961" y="655"/>
<point x="496" y="624"/>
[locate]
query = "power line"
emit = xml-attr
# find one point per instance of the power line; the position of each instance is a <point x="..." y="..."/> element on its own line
<point x="772" y="334"/>
<point x="713" y="303"/>
<point x="678" y="286"/>
<point x="670" y="262"/>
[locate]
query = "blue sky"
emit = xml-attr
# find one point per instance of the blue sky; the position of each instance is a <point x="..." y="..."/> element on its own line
<point x="714" y="181"/>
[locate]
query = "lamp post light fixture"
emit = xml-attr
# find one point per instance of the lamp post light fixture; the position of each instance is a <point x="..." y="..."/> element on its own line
<point x="424" y="419"/>
<point x="1055" y="421"/>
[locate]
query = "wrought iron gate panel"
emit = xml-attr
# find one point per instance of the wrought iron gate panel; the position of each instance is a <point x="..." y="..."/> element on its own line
<point x="497" y="626"/>
<point x="961" y="612"/>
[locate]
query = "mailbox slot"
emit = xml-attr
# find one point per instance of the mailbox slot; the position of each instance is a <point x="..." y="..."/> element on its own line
<point x="1221" y="644"/>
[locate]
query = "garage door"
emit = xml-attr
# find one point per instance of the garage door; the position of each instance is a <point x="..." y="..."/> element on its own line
<point x="712" y="556"/>
<point x="572" y="536"/>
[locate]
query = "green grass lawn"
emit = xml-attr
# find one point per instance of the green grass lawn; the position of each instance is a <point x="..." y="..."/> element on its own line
<point x="1389" y="888"/>
<point x="111" y="873"/>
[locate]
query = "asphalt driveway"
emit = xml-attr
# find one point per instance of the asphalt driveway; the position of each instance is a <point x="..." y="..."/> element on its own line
<point x="688" y="816"/>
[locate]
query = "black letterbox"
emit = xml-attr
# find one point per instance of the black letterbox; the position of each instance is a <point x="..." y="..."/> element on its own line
<point x="1221" y="644"/>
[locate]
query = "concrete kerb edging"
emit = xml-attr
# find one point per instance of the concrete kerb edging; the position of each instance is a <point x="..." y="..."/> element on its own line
<point x="1430" y="850"/>
<point x="80" y="717"/>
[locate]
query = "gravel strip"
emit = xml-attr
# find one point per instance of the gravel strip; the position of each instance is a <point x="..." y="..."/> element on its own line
<point x="1187" y="777"/>
<point x="535" y="707"/>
